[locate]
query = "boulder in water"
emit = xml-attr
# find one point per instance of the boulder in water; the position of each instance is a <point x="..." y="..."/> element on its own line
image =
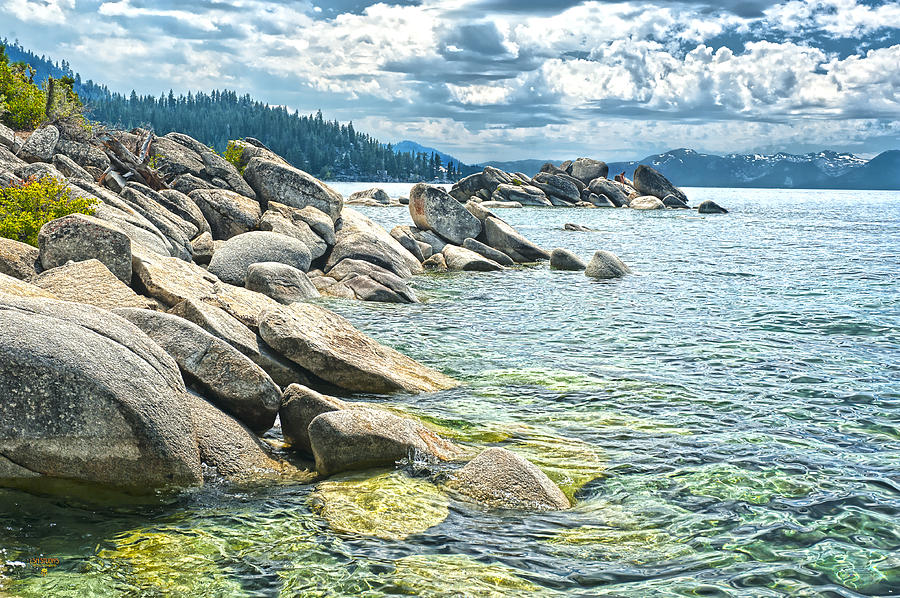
<point x="646" y="202"/>
<point x="460" y="258"/>
<point x="499" y="235"/>
<point x="502" y="479"/>
<point x="434" y="209"/>
<point x="562" y="259"/>
<point x="651" y="182"/>
<point x="711" y="207"/>
<point x="327" y="345"/>
<point x="606" y="264"/>
<point x="89" y="397"/>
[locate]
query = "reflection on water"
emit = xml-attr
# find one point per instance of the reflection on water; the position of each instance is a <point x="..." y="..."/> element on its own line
<point x="726" y="420"/>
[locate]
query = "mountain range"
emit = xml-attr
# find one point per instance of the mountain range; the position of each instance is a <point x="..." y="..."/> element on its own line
<point x="819" y="170"/>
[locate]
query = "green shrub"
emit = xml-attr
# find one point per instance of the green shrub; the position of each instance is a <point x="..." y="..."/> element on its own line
<point x="26" y="207"/>
<point x="235" y="154"/>
<point x="22" y="103"/>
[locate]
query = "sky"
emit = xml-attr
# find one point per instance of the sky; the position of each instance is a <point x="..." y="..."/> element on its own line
<point x="512" y="79"/>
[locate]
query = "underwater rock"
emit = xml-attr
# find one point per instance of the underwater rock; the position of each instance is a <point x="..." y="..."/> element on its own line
<point x="563" y="259"/>
<point x="502" y="479"/>
<point x="606" y="264"/>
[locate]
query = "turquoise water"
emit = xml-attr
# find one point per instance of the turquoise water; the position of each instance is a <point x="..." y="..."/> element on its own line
<point x="727" y="420"/>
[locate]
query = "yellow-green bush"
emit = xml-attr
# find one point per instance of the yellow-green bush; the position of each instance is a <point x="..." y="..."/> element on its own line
<point x="234" y="154"/>
<point x="25" y="208"/>
<point x="22" y="103"/>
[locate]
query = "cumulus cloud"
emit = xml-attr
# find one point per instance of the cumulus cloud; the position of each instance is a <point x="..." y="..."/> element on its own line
<point x="497" y="78"/>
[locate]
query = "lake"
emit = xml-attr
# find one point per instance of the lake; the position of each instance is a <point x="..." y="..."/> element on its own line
<point x="726" y="419"/>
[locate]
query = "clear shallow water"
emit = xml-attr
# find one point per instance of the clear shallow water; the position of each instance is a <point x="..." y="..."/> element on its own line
<point x="727" y="420"/>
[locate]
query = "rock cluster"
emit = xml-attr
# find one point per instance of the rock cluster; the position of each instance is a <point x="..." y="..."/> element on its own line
<point x="579" y="183"/>
<point x="170" y="329"/>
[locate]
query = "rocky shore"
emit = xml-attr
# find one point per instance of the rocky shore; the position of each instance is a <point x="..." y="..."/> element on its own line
<point x="153" y="344"/>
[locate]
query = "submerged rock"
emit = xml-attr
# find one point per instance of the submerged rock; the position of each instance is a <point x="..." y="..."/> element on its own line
<point x="90" y="397"/>
<point x="605" y="264"/>
<point x="330" y="347"/>
<point x="562" y="259"/>
<point x="390" y="506"/>
<point x="361" y="438"/>
<point x="710" y="207"/>
<point x="434" y="209"/>
<point x="670" y="201"/>
<point x="651" y="182"/>
<point x="502" y="479"/>
<point x="231" y="261"/>
<point x="226" y="376"/>
<point x="576" y="227"/>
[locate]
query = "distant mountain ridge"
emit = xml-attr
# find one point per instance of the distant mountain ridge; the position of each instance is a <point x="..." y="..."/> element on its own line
<point x="818" y="170"/>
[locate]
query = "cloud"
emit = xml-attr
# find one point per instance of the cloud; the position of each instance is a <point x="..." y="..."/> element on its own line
<point x="510" y="79"/>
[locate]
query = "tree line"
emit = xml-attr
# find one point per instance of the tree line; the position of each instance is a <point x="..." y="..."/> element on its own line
<point x="325" y="148"/>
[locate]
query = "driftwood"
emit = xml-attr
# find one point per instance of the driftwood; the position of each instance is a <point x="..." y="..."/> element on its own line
<point x="131" y="167"/>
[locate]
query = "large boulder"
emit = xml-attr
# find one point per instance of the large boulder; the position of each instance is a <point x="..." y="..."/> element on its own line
<point x="174" y="159"/>
<point x="502" y="479"/>
<point x="227" y="212"/>
<point x="369" y="282"/>
<point x="487" y="252"/>
<point x="40" y="145"/>
<point x="217" y="167"/>
<point x="89" y="157"/>
<point x="586" y="170"/>
<point x="651" y="182"/>
<point x="526" y="195"/>
<point x="171" y="281"/>
<point x="299" y="406"/>
<point x="14" y="287"/>
<point x="459" y="259"/>
<point x="184" y="207"/>
<point x="375" y="194"/>
<point x="177" y="232"/>
<point x="70" y="168"/>
<point x="646" y="202"/>
<point x="563" y="259"/>
<point x="88" y="396"/>
<point x="613" y="191"/>
<point x="221" y="324"/>
<point x="710" y="207"/>
<point x="409" y="243"/>
<point x="234" y="450"/>
<point x="670" y="201"/>
<point x="558" y="186"/>
<point x="231" y="260"/>
<point x="492" y="178"/>
<point x="499" y="235"/>
<point x="90" y="282"/>
<point x="469" y="186"/>
<point x="283" y="283"/>
<point x="360" y="438"/>
<point x="606" y="264"/>
<point x="253" y="148"/>
<point x="18" y="259"/>
<point x="434" y="209"/>
<point x="7" y="137"/>
<point x="273" y="181"/>
<point x="78" y="237"/>
<point x="327" y="345"/>
<point x="359" y="238"/>
<point x="283" y="222"/>
<point x="220" y="372"/>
